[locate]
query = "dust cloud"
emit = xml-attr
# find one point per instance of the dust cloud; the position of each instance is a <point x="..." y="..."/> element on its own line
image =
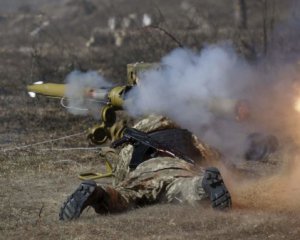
<point x="275" y="192"/>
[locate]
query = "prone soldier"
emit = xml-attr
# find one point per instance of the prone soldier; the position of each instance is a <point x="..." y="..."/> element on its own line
<point x="156" y="176"/>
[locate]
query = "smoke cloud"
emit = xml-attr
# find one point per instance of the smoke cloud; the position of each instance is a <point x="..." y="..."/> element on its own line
<point x="77" y="85"/>
<point x="200" y="92"/>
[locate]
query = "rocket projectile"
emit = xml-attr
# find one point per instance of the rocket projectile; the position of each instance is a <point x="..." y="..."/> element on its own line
<point x="47" y="89"/>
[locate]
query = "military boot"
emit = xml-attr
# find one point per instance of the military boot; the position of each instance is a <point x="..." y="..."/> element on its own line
<point x="216" y="190"/>
<point x="87" y="194"/>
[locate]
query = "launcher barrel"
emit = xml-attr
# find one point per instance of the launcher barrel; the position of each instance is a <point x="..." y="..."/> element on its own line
<point x="113" y="96"/>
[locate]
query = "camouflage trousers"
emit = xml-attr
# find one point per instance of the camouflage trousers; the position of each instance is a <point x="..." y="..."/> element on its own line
<point x="158" y="180"/>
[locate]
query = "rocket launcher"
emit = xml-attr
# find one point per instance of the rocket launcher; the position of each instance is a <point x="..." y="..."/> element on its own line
<point x="111" y="99"/>
<point x="111" y="96"/>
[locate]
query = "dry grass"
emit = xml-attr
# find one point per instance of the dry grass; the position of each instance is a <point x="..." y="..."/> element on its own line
<point x="34" y="183"/>
<point x="31" y="200"/>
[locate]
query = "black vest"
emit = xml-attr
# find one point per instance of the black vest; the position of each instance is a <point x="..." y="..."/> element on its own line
<point x="179" y="139"/>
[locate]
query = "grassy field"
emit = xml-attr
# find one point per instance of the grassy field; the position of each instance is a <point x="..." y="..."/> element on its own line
<point x="42" y="41"/>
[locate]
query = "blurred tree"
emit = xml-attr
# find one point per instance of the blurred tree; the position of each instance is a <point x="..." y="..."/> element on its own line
<point x="240" y="12"/>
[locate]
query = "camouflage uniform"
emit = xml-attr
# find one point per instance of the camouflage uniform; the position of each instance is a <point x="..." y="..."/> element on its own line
<point x="159" y="179"/>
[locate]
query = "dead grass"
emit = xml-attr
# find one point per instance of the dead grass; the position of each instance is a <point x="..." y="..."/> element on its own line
<point x="31" y="200"/>
<point x="34" y="183"/>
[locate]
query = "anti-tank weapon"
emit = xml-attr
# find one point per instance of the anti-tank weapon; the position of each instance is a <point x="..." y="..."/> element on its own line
<point x="111" y="100"/>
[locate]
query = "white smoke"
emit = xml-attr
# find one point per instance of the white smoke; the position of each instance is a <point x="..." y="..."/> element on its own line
<point x="196" y="90"/>
<point x="77" y="85"/>
<point x="199" y="91"/>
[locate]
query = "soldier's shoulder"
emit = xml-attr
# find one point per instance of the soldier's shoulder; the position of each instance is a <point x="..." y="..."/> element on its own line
<point x="153" y="123"/>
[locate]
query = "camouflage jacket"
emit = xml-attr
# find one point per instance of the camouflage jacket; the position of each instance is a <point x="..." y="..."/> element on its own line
<point x="151" y="124"/>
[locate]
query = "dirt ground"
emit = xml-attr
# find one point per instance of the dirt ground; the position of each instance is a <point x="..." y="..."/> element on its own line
<point x="45" y="41"/>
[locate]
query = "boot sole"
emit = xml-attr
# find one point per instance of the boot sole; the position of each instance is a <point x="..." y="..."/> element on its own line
<point x="73" y="206"/>
<point x="214" y="186"/>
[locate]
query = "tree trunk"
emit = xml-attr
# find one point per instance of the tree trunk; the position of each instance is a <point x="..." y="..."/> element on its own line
<point x="240" y="12"/>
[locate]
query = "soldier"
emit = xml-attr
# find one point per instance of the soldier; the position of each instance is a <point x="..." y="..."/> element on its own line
<point x="157" y="179"/>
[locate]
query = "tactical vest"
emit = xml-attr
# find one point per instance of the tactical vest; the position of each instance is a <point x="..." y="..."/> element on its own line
<point x="179" y="139"/>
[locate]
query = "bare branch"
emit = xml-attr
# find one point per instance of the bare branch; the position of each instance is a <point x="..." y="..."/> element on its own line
<point x="168" y="34"/>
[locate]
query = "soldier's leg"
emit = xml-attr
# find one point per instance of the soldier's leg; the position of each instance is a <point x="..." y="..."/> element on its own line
<point x="156" y="180"/>
<point x="165" y="179"/>
<point x="145" y="185"/>
<point x="104" y="199"/>
<point x="206" y="185"/>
